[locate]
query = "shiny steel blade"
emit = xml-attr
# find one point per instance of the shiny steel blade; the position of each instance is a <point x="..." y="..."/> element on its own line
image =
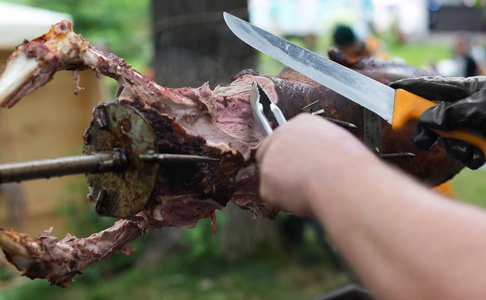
<point x="363" y="90"/>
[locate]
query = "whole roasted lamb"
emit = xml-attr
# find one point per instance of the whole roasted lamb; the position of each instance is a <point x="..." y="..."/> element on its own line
<point x="203" y="121"/>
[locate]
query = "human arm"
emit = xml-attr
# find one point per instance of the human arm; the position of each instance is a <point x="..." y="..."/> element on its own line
<point x="402" y="240"/>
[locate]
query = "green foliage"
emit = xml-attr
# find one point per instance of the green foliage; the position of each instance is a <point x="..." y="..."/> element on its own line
<point x="419" y="55"/>
<point x="122" y="25"/>
<point x="83" y="221"/>
<point x="200" y="241"/>
<point x="480" y="4"/>
<point x="256" y="277"/>
<point x="6" y="273"/>
<point x="81" y="218"/>
<point x="469" y="186"/>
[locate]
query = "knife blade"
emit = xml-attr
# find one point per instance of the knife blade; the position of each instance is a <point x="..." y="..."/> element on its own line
<point x="397" y="107"/>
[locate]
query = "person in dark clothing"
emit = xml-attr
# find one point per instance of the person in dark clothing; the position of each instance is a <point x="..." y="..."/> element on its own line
<point x="466" y="65"/>
<point x="347" y="43"/>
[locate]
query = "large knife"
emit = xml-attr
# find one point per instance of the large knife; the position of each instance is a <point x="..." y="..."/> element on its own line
<point x="397" y="107"/>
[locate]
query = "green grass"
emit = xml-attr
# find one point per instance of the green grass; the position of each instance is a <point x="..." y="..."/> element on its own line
<point x="420" y="54"/>
<point x="262" y="276"/>
<point x="469" y="186"/>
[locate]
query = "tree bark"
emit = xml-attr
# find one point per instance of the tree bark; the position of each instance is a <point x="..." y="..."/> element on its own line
<point x="193" y="44"/>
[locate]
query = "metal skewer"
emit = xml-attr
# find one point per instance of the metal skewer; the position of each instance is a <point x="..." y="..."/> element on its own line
<point x="184" y="158"/>
<point x="342" y="123"/>
<point x="102" y="162"/>
<point x="398" y="155"/>
<point x="315" y="109"/>
<point x="120" y="161"/>
<point x="47" y="168"/>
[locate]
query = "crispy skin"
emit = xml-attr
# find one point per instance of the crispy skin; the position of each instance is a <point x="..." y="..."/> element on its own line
<point x="215" y="122"/>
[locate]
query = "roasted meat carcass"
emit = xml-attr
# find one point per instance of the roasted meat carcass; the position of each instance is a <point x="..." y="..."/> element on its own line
<point x="203" y="121"/>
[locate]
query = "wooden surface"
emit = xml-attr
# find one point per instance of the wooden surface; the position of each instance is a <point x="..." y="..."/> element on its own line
<point x="45" y="124"/>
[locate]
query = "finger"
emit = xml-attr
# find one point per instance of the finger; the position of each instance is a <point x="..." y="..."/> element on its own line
<point x="471" y="156"/>
<point x="265" y="145"/>
<point x="435" y="88"/>
<point x="262" y="149"/>
<point x="469" y="112"/>
<point x="458" y="150"/>
<point x="436" y="117"/>
<point x="423" y="138"/>
<point x="477" y="159"/>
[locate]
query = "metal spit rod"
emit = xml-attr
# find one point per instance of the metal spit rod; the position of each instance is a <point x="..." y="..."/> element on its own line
<point x="174" y="158"/>
<point x="100" y="162"/>
<point x="47" y="168"/>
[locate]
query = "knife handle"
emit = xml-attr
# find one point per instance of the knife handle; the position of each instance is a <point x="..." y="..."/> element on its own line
<point x="409" y="107"/>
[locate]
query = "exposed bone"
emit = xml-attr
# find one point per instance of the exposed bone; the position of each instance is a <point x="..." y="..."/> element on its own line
<point x="14" y="75"/>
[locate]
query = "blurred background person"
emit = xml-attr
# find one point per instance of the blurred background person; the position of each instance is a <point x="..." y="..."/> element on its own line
<point x="478" y="53"/>
<point x="346" y="41"/>
<point x="465" y="64"/>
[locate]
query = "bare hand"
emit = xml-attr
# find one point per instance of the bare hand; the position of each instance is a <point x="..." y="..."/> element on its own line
<point x="306" y="156"/>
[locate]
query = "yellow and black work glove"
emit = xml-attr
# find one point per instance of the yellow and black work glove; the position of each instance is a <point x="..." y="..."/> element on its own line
<point x="463" y="105"/>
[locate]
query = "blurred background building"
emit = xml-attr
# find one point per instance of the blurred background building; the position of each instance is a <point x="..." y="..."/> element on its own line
<point x="416" y="19"/>
<point x="318" y="17"/>
<point x="413" y="21"/>
<point x="46" y="124"/>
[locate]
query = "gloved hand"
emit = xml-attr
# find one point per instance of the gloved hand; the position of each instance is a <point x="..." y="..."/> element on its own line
<point x="463" y="105"/>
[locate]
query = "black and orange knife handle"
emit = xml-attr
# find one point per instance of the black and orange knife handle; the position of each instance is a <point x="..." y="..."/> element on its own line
<point x="409" y="107"/>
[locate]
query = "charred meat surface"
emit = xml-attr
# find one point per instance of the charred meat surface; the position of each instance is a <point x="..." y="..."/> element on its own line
<point x="203" y="121"/>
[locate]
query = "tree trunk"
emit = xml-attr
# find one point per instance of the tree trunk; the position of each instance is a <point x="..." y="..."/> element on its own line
<point x="193" y="44"/>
